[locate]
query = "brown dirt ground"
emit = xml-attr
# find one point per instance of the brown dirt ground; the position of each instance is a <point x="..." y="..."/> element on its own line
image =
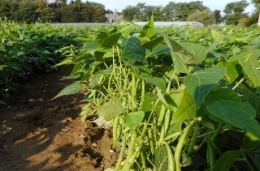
<point x="40" y="134"/>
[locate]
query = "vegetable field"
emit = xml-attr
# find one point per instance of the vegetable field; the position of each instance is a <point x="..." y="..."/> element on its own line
<point x="176" y="98"/>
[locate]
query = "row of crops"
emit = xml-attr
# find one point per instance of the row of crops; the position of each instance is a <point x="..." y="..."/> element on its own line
<point x="176" y="98"/>
<point x="28" y="49"/>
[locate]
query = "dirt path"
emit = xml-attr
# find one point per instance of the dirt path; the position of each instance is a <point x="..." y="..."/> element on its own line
<point x="40" y="134"/>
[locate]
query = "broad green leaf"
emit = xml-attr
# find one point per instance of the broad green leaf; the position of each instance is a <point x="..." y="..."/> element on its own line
<point x="96" y="81"/>
<point x="134" y="51"/>
<point x="250" y="141"/>
<point x="180" y="56"/>
<point x="161" y="158"/>
<point x="13" y="65"/>
<point x="110" y="109"/>
<point x="225" y="94"/>
<point x="173" y="100"/>
<point x="256" y="42"/>
<point x="237" y="114"/>
<point x="215" y="34"/>
<point x="245" y="55"/>
<point x="252" y="73"/>
<point x="153" y="43"/>
<point x="218" y="40"/>
<point x="148" y="102"/>
<point x="198" y="51"/>
<point x="226" y="160"/>
<point x="71" y="89"/>
<point x="111" y="40"/>
<point x="200" y="83"/>
<point x="185" y="56"/>
<point x="187" y="108"/>
<point x="149" y="28"/>
<point x="156" y="81"/>
<point x="91" y="46"/>
<point x="174" y="130"/>
<point x="254" y="62"/>
<point x="159" y="50"/>
<point x="252" y="98"/>
<point x="233" y="70"/>
<point x="134" y="119"/>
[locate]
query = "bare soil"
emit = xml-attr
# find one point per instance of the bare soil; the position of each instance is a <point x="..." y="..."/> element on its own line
<point x="41" y="134"/>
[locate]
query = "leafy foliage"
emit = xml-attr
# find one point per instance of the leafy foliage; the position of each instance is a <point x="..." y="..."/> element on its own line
<point x="177" y="98"/>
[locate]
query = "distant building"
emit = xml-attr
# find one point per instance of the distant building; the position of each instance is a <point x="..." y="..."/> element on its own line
<point x="111" y="18"/>
<point x="175" y="23"/>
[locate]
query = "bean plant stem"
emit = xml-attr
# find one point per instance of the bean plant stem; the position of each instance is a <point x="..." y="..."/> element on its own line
<point x="115" y="133"/>
<point x="180" y="145"/>
<point x="210" y="147"/>
<point x="194" y="137"/>
<point x="121" y="155"/>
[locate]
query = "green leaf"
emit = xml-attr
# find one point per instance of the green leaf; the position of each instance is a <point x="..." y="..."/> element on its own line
<point x="182" y="53"/>
<point x="111" y="40"/>
<point x="226" y="160"/>
<point x="174" y="130"/>
<point x="153" y="43"/>
<point x="96" y="81"/>
<point x="237" y="114"/>
<point x="233" y="70"/>
<point x="148" y="102"/>
<point x="180" y="56"/>
<point x="247" y="54"/>
<point x="71" y="89"/>
<point x="134" y="119"/>
<point x="156" y="81"/>
<point x="110" y="109"/>
<point x="218" y="40"/>
<point x="161" y="158"/>
<point x="198" y="51"/>
<point x="250" y="141"/>
<point x="173" y="100"/>
<point x="65" y="62"/>
<point x="252" y="98"/>
<point x="251" y="72"/>
<point x="149" y="28"/>
<point x="200" y="83"/>
<point x="134" y="51"/>
<point x="187" y="108"/>
<point x="225" y="94"/>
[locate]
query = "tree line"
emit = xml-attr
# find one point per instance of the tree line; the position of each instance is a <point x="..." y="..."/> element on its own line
<point x="78" y="11"/>
<point x="194" y="11"/>
<point x="30" y="11"/>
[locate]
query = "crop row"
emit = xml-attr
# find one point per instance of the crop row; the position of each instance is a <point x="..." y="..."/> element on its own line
<point x="176" y="98"/>
<point x="25" y="49"/>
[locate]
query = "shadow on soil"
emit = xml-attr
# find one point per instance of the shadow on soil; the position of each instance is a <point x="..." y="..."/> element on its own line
<point x="37" y="133"/>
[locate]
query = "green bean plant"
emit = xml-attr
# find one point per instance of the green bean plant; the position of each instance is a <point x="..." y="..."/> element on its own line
<point x="176" y="98"/>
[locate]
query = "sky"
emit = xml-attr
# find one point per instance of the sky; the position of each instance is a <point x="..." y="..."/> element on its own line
<point x="119" y="5"/>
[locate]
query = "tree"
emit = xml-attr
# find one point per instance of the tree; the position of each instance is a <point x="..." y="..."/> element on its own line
<point x="206" y="17"/>
<point x="183" y="10"/>
<point x="4" y="8"/>
<point x="235" y="11"/>
<point x="236" y="7"/>
<point x="130" y="13"/>
<point x="169" y="11"/>
<point x="218" y="17"/>
<point x="257" y="5"/>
